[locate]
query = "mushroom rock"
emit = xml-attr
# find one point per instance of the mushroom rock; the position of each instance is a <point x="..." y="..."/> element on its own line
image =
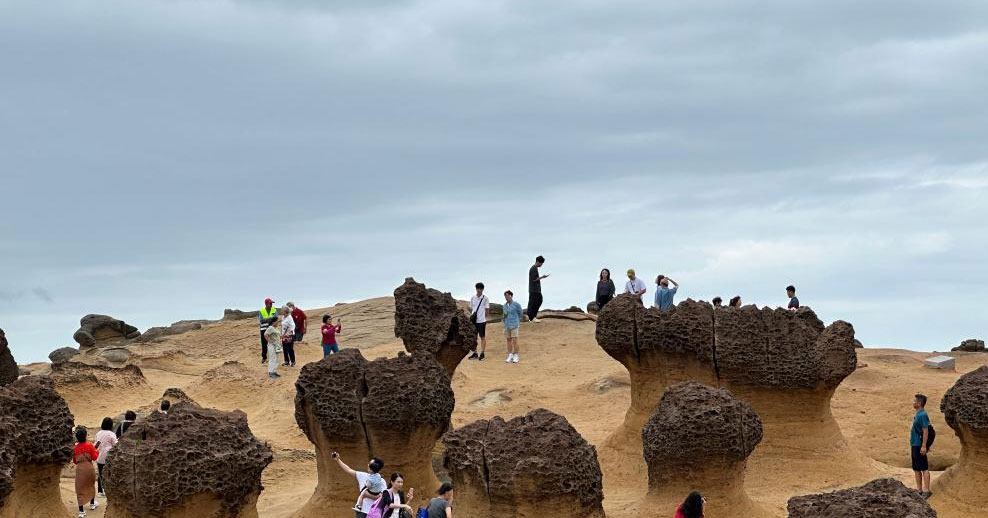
<point x="699" y="438"/>
<point x="35" y="443"/>
<point x="786" y="364"/>
<point x="8" y="367"/>
<point x="193" y="462"/>
<point x="965" y="408"/>
<point x="530" y="466"/>
<point x="393" y="408"/>
<point x="882" y="498"/>
<point x="97" y="330"/>
<point x="429" y="321"/>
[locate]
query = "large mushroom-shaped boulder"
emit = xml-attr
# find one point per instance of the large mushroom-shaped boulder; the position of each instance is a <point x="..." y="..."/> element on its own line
<point x="882" y="498"/>
<point x="8" y="367"/>
<point x="97" y="330"/>
<point x="35" y="443"/>
<point x="965" y="408"/>
<point x="786" y="364"/>
<point x="699" y="438"/>
<point x="430" y="322"/>
<point x="392" y="408"/>
<point x="193" y="461"/>
<point x="534" y="465"/>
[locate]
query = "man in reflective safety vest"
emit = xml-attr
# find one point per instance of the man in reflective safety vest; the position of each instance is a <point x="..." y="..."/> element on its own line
<point x="266" y="316"/>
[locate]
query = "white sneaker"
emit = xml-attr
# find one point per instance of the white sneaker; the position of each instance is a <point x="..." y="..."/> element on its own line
<point x="94" y="505"/>
<point x="515" y="359"/>
<point x="82" y="514"/>
<point x="101" y="494"/>
<point x="535" y="320"/>
<point x="508" y="359"/>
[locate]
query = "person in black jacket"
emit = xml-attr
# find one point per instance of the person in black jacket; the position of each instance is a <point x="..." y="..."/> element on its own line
<point x="605" y="289"/>
<point x="129" y="418"/>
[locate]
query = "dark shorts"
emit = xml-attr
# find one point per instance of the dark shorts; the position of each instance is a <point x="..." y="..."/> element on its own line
<point x="920" y="462"/>
<point x="481" y="329"/>
<point x="298" y="336"/>
<point x="358" y="514"/>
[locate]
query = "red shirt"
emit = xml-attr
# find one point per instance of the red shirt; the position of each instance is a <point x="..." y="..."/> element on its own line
<point x="84" y="448"/>
<point x="299" y="317"/>
<point x="679" y="512"/>
<point x="329" y="333"/>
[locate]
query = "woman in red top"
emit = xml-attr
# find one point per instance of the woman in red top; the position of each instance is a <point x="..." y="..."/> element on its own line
<point x="692" y="507"/>
<point x="329" y="332"/>
<point x="85" y="474"/>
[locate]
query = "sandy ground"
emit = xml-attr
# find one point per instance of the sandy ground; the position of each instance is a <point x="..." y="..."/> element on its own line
<point x="561" y="369"/>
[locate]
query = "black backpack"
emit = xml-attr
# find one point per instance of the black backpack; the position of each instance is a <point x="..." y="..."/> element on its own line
<point x="930" y="437"/>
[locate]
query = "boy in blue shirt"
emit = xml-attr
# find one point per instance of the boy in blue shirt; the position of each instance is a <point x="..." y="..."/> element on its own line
<point x="664" y="295"/>
<point x="512" y="321"/>
<point x="919" y="436"/>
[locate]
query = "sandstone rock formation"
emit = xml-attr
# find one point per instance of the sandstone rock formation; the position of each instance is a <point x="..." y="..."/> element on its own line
<point x="8" y="367"/>
<point x="97" y="330"/>
<point x="35" y="442"/>
<point x="965" y="408"/>
<point x="395" y="408"/>
<point x="592" y="307"/>
<point x="236" y="314"/>
<point x="971" y="345"/>
<point x="786" y="364"/>
<point x="883" y="498"/>
<point x="193" y="462"/>
<point x="430" y="322"/>
<point x="534" y="465"/>
<point x="62" y="354"/>
<point x="699" y="438"/>
<point x="72" y="373"/>
<point x="182" y="326"/>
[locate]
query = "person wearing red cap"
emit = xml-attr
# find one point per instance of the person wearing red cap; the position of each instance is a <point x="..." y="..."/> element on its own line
<point x="266" y="316"/>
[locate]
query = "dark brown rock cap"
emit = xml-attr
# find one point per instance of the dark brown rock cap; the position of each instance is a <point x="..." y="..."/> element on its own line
<point x="695" y="423"/>
<point x="163" y="460"/>
<point x="94" y="329"/>
<point x="882" y="498"/>
<point x="541" y="446"/>
<point x="430" y="321"/>
<point x="42" y="418"/>
<point x="966" y="403"/>
<point x="8" y="367"/>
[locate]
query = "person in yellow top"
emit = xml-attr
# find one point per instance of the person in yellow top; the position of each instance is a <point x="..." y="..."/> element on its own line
<point x="268" y="314"/>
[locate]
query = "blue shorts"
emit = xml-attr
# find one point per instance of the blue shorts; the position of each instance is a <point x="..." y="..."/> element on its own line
<point x="330" y="349"/>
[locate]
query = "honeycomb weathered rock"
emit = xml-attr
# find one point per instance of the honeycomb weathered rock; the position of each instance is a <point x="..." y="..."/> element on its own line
<point x="8" y="367"/>
<point x="965" y="408"/>
<point x="429" y="321"/>
<point x="882" y="498"/>
<point x="164" y="461"/>
<point x="966" y="403"/>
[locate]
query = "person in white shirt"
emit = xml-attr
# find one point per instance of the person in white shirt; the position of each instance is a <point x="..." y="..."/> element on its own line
<point x="479" y="304"/>
<point x="634" y="286"/>
<point x="288" y="336"/>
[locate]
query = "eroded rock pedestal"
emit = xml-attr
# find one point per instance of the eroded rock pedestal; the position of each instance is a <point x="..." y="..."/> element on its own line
<point x="883" y="498"/>
<point x="532" y="466"/>
<point x="8" y="367"/>
<point x="429" y="321"/>
<point x="786" y="364"/>
<point x="392" y="408"/>
<point x="191" y="463"/>
<point x="35" y="443"/>
<point x="699" y="439"/>
<point x="961" y="489"/>
<point x="99" y="330"/>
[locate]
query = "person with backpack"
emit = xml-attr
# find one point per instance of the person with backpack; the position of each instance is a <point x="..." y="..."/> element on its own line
<point x="374" y="467"/>
<point x="921" y="437"/>
<point x="129" y="417"/>
<point x="441" y="506"/>
<point x="392" y="502"/>
<point x="479" y="304"/>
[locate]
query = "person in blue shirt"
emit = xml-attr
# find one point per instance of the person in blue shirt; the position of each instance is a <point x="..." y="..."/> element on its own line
<point x="919" y="436"/>
<point x="512" y="322"/>
<point x="664" y="295"/>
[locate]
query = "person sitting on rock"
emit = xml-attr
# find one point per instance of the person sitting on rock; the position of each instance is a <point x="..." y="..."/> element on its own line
<point x="717" y="302"/>
<point x="373" y="486"/>
<point x="735" y="301"/>
<point x="793" y="301"/>
<point x="129" y="417"/>
<point x="85" y="475"/>
<point x="512" y="322"/>
<point x="442" y="505"/>
<point x="692" y="507"/>
<point x="273" y="336"/>
<point x="329" y="332"/>
<point x="105" y="441"/>
<point x="663" y="294"/>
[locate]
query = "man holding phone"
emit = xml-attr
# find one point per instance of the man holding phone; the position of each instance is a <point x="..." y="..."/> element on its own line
<point x="535" y="289"/>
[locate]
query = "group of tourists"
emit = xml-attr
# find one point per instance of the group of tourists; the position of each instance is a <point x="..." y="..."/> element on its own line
<point x="282" y="328"/>
<point x="378" y="498"/>
<point x="664" y="295"/>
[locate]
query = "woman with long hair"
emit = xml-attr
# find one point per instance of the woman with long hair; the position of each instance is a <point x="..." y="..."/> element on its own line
<point x="393" y="500"/>
<point x="85" y="474"/>
<point x="105" y="441"/>
<point x="692" y="507"/>
<point x="605" y="289"/>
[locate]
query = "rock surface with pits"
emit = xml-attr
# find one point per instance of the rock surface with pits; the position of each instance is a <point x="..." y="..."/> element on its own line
<point x="430" y="322"/>
<point x="882" y="498"/>
<point x="965" y="408"/>
<point x="8" y="367"/>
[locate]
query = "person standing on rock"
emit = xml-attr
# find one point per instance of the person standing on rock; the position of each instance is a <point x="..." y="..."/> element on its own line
<point x="85" y="475"/>
<point x="535" y="289"/>
<point x="512" y="322"/>
<point x="300" y="318"/>
<point x="272" y="336"/>
<point x="735" y="301"/>
<point x="266" y="316"/>
<point x="479" y="304"/>
<point x="288" y="336"/>
<point x="717" y="301"/>
<point x="374" y="466"/>
<point x="919" y="441"/>
<point x="605" y="289"/>
<point x="329" y="332"/>
<point x="442" y="505"/>
<point x="105" y="441"/>
<point x="692" y="507"/>
<point x="664" y="294"/>
<point x="129" y="417"/>
<point x="793" y="301"/>
<point x="634" y="286"/>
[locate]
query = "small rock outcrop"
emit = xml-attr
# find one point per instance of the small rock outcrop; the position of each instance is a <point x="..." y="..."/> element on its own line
<point x="98" y="330"/>
<point x="965" y="408"/>
<point x="592" y="307"/>
<point x="534" y="465"/>
<point x="62" y="354"/>
<point x="971" y="345"/>
<point x="882" y="498"/>
<point x="191" y="462"/>
<point x="8" y="367"/>
<point x="699" y="438"/>
<point x="394" y="408"/>
<point x="35" y="443"/>
<point x="430" y="322"/>
<point x="236" y="314"/>
<point x="182" y="326"/>
<point x="74" y="373"/>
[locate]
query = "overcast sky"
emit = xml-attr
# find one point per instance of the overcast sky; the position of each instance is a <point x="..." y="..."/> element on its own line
<point x="164" y="160"/>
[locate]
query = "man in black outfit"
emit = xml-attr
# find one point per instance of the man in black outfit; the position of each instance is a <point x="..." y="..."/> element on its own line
<point x="535" y="289"/>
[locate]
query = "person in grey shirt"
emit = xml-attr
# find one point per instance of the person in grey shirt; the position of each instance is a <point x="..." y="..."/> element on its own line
<point x="793" y="301"/>
<point x="442" y="505"/>
<point x="535" y="289"/>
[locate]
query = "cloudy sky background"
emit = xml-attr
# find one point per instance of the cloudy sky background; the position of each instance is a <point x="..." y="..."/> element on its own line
<point x="164" y="160"/>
